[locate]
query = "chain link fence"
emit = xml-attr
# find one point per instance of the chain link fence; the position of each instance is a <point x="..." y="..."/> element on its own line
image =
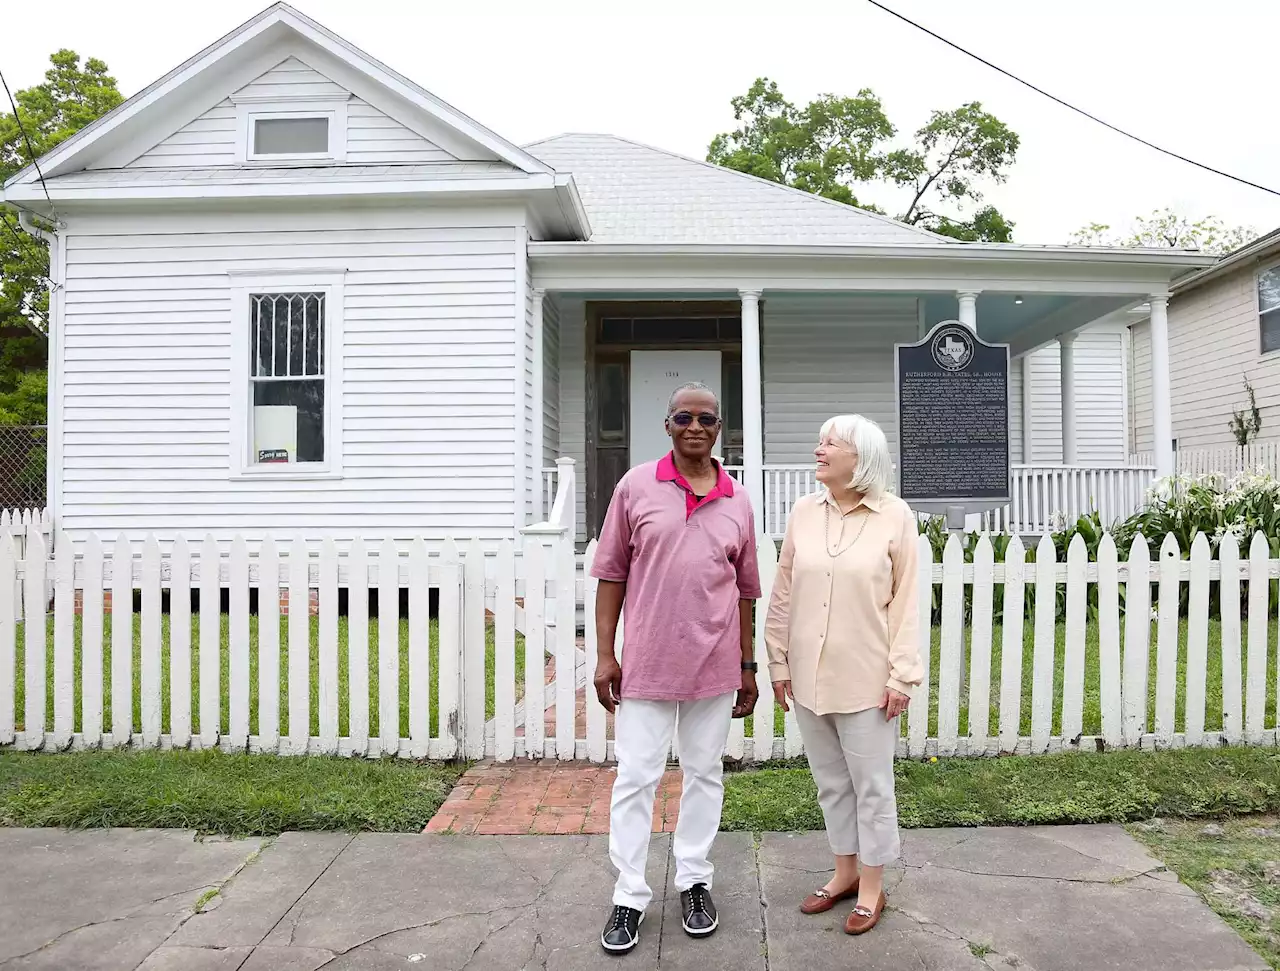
<point x="23" y="451"/>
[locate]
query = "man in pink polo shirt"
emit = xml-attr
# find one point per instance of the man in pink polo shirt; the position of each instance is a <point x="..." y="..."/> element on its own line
<point x="678" y="546"/>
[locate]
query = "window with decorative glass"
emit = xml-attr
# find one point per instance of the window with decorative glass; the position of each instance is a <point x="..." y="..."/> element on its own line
<point x="1269" y="309"/>
<point x="287" y="377"/>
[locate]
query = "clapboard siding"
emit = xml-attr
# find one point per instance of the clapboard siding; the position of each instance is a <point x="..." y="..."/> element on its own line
<point x="1015" y="410"/>
<point x="209" y="140"/>
<point x="429" y="346"/>
<point x="1099" y="374"/>
<point x="1213" y="346"/>
<point x="373" y="137"/>
<point x="1140" y="387"/>
<point x="822" y="357"/>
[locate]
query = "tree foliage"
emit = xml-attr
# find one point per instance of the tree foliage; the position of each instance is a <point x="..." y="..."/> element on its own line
<point x="841" y="147"/>
<point x="1167" y="229"/>
<point x="71" y="96"/>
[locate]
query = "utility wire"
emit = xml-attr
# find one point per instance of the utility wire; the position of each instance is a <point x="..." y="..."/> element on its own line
<point x="30" y="148"/>
<point x="1066" y="104"/>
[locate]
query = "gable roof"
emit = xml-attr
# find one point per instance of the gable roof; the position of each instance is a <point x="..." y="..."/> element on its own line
<point x="167" y="96"/>
<point x="634" y="193"/>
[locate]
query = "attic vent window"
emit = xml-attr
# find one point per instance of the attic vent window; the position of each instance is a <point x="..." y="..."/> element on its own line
<point x="291" y="136"/>
<point x="292" y="133"/>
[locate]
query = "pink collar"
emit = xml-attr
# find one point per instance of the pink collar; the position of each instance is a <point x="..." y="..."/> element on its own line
<point x="667" y="472"/>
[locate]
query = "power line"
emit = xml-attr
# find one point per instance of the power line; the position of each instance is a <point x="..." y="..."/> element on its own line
<point x="30" y="148"/>
<point x="1066" y="104"/>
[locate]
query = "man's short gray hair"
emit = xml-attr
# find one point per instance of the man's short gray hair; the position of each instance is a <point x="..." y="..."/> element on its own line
<point x="691" y="386"/>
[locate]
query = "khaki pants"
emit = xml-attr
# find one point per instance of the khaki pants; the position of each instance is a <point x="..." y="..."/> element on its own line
<point x="851" y="758"/>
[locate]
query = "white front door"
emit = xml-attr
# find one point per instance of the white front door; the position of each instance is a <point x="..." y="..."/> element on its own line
<point x="654" y="375"/>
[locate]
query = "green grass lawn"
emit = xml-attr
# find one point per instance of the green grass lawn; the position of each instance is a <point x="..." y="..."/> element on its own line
<point x="343" y="692"/>
<point x="1113" y="787"/>
<point x="263" y="794"/>
<point x="214" y="792"/>
<point x="1092" y="716"/>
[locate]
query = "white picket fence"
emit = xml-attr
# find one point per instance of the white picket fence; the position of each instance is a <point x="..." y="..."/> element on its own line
<point x="1225" y="460"/>
<point x="493" y="594"/>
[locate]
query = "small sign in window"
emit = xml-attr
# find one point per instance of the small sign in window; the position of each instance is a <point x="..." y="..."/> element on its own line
<point x="268" y="455"/>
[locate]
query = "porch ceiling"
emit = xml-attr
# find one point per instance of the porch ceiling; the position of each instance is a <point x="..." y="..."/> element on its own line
<point x="1038" y="319"/>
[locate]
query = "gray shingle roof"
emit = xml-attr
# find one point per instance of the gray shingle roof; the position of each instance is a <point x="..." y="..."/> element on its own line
<point x="637" y="194"/>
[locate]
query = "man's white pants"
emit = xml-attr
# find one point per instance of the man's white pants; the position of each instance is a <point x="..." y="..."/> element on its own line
<point x="642" y="739"/>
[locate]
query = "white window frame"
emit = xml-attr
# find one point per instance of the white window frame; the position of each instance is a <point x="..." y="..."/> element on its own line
<point x="249" y="112"/>
<point x="1257" y="303"/>
<point x="244" y="286"/>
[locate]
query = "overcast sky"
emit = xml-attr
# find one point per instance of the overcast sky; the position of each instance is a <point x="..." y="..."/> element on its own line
<point x="1196" y="77"/>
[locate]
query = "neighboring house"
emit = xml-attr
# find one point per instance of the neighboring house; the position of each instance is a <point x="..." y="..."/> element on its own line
<point x="1224" y="327"/>
<point x="297" y="292"/>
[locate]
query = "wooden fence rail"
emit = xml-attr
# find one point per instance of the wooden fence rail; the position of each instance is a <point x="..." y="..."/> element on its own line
<point x="1136" y="662"/>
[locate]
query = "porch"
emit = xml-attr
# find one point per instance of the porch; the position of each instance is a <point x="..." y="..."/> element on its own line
<point x="603" y="361"/>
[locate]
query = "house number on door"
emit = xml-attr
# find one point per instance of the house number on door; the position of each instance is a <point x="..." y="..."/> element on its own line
<point x="673" y="374"/>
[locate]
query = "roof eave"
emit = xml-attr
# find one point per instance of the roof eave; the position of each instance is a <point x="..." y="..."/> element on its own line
<point x="1260" y="249"/>
<point x="950" y="251"/>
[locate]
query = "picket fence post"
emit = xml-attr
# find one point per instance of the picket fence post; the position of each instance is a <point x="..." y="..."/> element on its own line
<point x="980" y="645"/>
<point x="91" y="628"/>
<point x="1111" y="691"/>
<point x="951" y="650"/>
<point x="269" y="648"/>
<point x="358" y="646"/>
<point x="1229" y="595"/>
<point x="535" y="608"/>
<point x="8" y="645"/>
<point x="1011" y="645"/>
<point x="1197" y="639"/>
<point x="1073" y="649"/>
<point x="1137" y="642"/>
<point x="504" y="655"/>
<point x="122" y="642"/>
<point x="1259" y="597"/>
<point x="450" y="661"/>
<point x="1044" y="650"/>
<point x="420" y="648"/>
<point x="1167" y="640"/>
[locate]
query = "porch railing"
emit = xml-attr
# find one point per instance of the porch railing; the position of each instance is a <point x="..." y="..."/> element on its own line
<point x="1043" y="496"/>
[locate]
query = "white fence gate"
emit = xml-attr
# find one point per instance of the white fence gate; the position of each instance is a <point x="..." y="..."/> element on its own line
<point x="448" y="687"/>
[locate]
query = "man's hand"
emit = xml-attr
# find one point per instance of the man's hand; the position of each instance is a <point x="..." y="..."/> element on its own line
<point x="608" y="682"/>
<point x="781" y="692"/>
<point x="894" y="703"/>
<point x="747" y="695"/>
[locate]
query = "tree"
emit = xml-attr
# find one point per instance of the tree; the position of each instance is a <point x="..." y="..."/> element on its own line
<point x="1167" y="229"/>
<point x="70" y="98"/>
<point x="834" y="146"/>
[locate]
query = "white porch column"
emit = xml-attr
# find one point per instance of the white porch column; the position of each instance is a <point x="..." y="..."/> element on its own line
<point x="752" y="404"/>
<point x="538" y="430"/>
<point x="968" y="315"/>
<point x="1161" y="395"/>
<point x="1028" y="411"/>
<point x="1067" y="367"/>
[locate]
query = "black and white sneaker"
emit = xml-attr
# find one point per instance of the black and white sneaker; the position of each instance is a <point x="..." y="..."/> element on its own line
<point x="622" y="933"/>
<point x="699" y="911"/>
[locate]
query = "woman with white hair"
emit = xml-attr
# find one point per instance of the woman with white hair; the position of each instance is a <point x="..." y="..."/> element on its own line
<point x="842" y="637"/>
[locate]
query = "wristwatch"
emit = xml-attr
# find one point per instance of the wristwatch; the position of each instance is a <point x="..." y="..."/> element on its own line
<point x="751" y="666"/>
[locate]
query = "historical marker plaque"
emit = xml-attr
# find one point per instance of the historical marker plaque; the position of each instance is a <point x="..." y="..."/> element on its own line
<point x="953" y="419"/>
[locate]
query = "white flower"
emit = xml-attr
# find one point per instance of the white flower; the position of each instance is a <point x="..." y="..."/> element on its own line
<point x="1058" y="522"/>
<point x="1155" y="615"/>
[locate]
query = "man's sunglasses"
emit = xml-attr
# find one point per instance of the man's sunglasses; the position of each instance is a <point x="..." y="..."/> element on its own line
<point x="683" y="419"/>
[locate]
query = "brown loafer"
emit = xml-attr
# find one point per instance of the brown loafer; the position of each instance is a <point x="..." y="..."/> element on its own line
<point x="819" y="902"/>
<point x="862" y="920"/>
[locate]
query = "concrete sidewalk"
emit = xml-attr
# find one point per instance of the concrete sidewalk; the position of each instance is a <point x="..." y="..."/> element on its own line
<point x="1077" y="898"/>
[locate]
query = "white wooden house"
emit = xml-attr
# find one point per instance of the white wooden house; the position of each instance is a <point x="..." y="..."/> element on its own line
<point x="296" y="292"/>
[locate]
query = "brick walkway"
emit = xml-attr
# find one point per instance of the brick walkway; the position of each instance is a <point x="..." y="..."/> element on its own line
<point x="525" y="798"/>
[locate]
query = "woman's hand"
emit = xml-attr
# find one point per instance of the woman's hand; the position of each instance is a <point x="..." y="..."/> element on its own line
<point x="781" y="692"/>
<point x="894" y="703"/>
